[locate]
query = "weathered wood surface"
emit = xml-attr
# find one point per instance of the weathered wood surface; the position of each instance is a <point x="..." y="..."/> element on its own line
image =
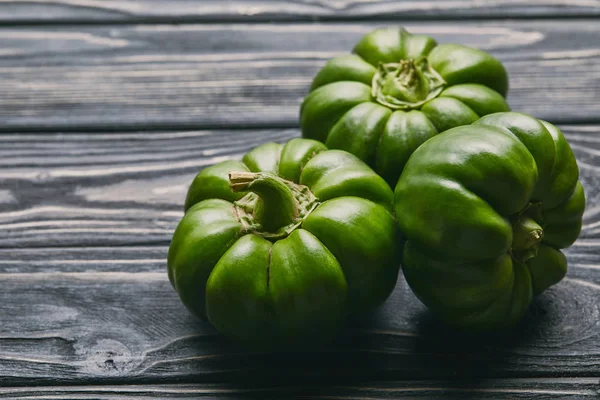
<point x="106" y="189"/>
<point x="52" y="11"/>
<point x="86" y="218"/>
<point x="255" y="75"/>
<point x="129" y="188"/>
<point x="109" y="315"/>
<point x="106" y="313"/>
<point x="496" y="389"/>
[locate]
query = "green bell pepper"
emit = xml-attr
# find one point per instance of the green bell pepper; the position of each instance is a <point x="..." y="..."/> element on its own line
<point x="278" y="248"/>
<point x="485" y="209"/>
<point x="395" y="91"/>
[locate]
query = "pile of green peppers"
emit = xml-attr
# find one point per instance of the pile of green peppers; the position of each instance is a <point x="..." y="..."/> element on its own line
<point x="410" y="160"/>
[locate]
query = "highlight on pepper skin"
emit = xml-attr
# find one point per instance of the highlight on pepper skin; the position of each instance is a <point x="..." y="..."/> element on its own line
<point x="277" y="249"/>
<point x="486" y="209"/>
<point x="394" y="91"/>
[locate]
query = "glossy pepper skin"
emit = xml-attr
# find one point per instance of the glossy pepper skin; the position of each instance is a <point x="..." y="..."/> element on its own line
<point x="277" y="249"/>
<point x="485" y="210"/>
<point x="395" y="91"/>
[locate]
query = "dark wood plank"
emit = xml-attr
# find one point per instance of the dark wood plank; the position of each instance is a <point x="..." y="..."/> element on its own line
<point x="166" y="76"/>
<point x="278" y="10"/>
<point x="106" y="189"/>
<point x="102" y="314"/>
<point x="109" y="315"/>
<point x="129" y="188"/>
<point x="496" y="389"/>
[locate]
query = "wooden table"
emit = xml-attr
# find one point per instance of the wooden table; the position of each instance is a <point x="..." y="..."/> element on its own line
<point x="109" y="108"/>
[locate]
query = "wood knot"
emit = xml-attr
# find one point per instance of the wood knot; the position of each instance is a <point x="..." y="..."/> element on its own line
<point x="109" y="357"/>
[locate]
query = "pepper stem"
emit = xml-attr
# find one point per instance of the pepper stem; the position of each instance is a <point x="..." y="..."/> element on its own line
<point x="527" y="235"/>
<point x="406" y="84"/>
<point x="276" y="206"/>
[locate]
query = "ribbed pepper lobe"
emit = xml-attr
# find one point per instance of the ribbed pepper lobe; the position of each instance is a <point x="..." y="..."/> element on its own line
<point x="485" y="209"/>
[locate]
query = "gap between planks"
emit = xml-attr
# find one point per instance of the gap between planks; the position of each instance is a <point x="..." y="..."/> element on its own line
<point x="328" y="19"/>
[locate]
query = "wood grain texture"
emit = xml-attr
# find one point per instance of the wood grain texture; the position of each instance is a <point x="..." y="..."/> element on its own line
<point x="281" y="10"/>
<point x="255" y="75"/>
<point x="106" y="189"/>
<point x="92" y="303"/>
<point x="455" y="389"/>
<point x="109" y="315"/>
<point x="129" y="188"/>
